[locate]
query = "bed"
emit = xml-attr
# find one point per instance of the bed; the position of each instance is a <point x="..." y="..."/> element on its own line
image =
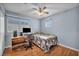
<point x="44" y="41"/>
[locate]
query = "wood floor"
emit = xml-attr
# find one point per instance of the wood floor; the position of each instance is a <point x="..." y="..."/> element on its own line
<point x="35" y="51"/>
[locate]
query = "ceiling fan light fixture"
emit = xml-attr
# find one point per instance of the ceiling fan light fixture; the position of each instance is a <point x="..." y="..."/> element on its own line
<point x="40" y="13"/>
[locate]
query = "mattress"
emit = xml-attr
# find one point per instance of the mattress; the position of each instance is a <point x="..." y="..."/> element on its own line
<point x="45" y="41"/>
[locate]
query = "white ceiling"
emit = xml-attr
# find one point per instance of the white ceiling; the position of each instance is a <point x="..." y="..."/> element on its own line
<point x="26" y="9"/>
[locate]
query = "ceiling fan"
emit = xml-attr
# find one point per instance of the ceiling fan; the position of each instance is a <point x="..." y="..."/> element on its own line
<point x="41" y="11"/>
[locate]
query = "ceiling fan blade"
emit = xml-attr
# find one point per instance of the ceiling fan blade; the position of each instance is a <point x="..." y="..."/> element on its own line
<point x="46" y="12"/>
<point x="40" y="10"/>
<point x="35" y="8"/>
<point x="44" y="8"/>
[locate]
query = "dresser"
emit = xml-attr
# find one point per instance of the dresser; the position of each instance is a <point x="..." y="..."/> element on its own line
<point x="18" y="41"/>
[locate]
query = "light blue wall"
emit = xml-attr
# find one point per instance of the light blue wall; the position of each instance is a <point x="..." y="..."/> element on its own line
<point x="34" y="23"/>
<point x="65" y="25"/>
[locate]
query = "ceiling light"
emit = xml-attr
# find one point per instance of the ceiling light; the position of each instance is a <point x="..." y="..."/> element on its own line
<point x="41" y="11"/>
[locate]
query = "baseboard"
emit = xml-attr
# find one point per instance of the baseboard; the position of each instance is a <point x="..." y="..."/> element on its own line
<point x="69" y="47"/>
<point x="8" y="46"/>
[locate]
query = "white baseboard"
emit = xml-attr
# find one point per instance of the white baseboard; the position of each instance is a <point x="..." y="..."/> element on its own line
<point x="69" y="47"/>
<point x="8" y="46"/>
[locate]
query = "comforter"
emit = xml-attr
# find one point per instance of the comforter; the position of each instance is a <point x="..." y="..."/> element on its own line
<point x="45" y="41"/>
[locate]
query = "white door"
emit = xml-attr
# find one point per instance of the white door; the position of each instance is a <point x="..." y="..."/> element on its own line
<point x="2" y="31"/>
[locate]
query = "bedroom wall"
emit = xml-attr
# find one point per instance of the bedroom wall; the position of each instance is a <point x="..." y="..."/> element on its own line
<point x="65" y="25"/>
<point x="17" y="23"/>
<point x="2" y="29"/>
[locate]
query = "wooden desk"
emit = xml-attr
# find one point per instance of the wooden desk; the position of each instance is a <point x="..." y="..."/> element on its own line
<point x="18" y="41"/>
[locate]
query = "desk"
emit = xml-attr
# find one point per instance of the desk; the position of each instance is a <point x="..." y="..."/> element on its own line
<point x="19" y="41"/>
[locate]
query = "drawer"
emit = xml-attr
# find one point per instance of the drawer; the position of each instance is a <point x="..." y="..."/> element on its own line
<point x="16" y="41"/>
